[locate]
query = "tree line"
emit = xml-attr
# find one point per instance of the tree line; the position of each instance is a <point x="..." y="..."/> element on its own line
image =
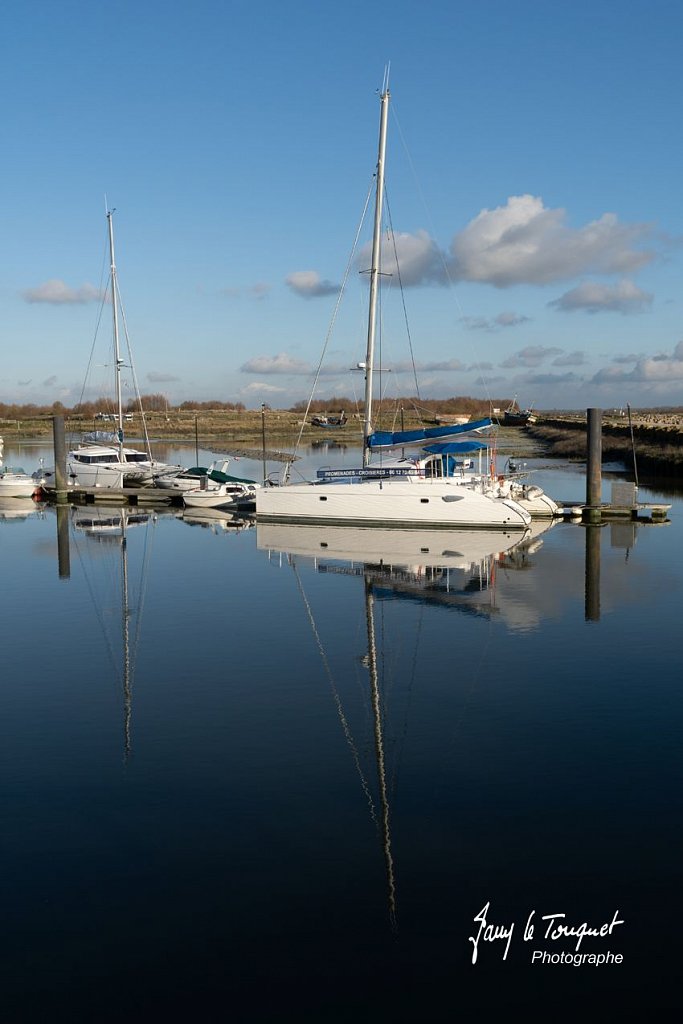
<point x="421" y="407"/>
<point x="89" y="410"/>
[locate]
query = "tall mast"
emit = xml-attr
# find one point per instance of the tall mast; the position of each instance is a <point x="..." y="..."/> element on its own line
<point x="375" y="269"/>
<point x="115" y="312"/>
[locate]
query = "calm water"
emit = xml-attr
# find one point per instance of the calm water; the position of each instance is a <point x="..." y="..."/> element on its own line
<point x="249" y="785"/>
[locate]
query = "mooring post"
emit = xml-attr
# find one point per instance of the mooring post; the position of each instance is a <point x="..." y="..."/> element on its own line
<point x="59" y="445"/>
<point x="592" y="512"/>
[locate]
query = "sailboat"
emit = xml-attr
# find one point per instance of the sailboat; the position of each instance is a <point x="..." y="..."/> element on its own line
<point x="102" y="459"/>
<point x="425" y="491"/>
<point x="515" y="416"/>
<point x="330" y="422"/>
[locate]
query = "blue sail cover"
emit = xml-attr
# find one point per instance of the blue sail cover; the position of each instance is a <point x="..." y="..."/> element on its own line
<point x="401" y="438"/>
<point x="455" y="447"/>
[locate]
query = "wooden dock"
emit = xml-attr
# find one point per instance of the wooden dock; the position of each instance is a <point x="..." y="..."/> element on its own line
<point x="148" y="497"/>
<point x="109" y="496"/>
<point x="640" y="512"/>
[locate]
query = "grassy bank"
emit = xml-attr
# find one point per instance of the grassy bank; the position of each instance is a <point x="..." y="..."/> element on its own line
<point x="657" y="441"/>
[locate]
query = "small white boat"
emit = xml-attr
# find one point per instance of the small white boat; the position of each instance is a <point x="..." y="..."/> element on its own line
<point x="219" y="495"/>
<point x="14" y="482"/>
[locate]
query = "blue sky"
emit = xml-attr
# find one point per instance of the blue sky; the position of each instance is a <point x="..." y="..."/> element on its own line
<point x="533" y="174"/>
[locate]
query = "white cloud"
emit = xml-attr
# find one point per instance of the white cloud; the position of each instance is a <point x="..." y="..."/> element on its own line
<point x="553" y="378"/>
<point x="503" y="320"/>
<point x="308" y="284"/>
<point x="627" y="358"/>
<point x="484" y="382"/>
<point x="258" y="387"/>
<point x="443" y="365"/>
<point x="577" y="358"/>
<point x="521" y="242"/>
<point x="510" y="319"/>
<point x="258" y="290"/>
<point x="154" y="377"/>
<point x="58" y="293"/>
<point x="409" y="260"/>
<point x="282" y="363"/>
<point x="532" y="355"/>
<point x="660" y="369"/>
<point x="525" y="243"/>
<point x="252" y="291"/>
<point x="624" y="297"/>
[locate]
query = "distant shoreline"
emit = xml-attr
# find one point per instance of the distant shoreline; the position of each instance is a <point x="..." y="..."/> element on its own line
<point x="658" y="437"/>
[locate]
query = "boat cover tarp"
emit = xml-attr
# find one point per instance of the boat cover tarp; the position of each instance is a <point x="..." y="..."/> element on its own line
<point x="215" y="474"/>
<point x="100" y="437"/>
<point x="224" y="478"/>
<point x="401" y="438"/>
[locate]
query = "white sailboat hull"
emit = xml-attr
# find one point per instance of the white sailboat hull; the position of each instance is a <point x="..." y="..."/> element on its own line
<point x="539" y="504"/>
<point x="400" y="503"/>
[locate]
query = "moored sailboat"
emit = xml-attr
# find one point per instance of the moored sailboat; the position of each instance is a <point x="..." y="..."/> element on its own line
<point x="102" y="459"/>
<point x="403" y="493"/>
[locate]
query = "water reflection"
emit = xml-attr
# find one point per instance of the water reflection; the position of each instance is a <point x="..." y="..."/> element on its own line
<point x="117" y="602"/>
<point x="455" y="568"/>
<point x="19" y="508"/>
<point x="315" y="736"/>
<point x="217" y="520"/>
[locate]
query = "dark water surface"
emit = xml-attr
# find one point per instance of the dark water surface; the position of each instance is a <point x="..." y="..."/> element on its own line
<point x="249" y="785"/>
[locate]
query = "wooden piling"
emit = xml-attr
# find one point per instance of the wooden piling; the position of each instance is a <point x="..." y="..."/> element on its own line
<point x="59" y="446"/>
<point x="592" y="512"/>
